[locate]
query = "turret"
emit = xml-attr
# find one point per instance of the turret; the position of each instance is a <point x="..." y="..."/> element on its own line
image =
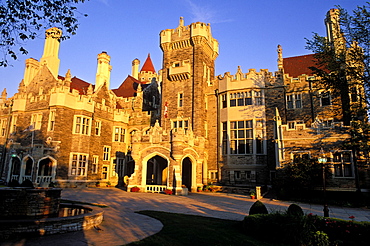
<point x="135" y="68"/>
<point x="103" y="71"/>
<point x="32" y="66"/>
<point x="147" y="72"/>
<point x="333" y="32"/>
<point x="51" y="50"/>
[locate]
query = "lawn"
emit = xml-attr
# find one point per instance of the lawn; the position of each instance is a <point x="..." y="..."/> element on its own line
<point x="182" y="229"/>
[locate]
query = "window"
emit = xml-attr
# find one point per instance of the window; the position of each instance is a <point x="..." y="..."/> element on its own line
<point x="327" y="123"/>
<point x="342" y="162"/>
<point x="180" y="99"/>
<point x="14" y="124"/>
<point x="300" y="155"/>
<point x="176" y="64"/>
<point x="97" y="127"/>
<point x="258" y="97"/>
<point x="114" y="168"/>
<point x="224" y="101"/>
<point x="36" y="121"/>
<point x="119" y="134"/>
<point x="78" y="164"/>
<point x="291" y="125"/>
<point x="325" y="99"/>
<point x="294" y="101"/>
<point x="104" y="172"/>
<point x="241" y="137"/>
<point x="233" y="100"/>
<point x="248" y="98"/>
<point x="106" y="153"/>
<point x="240" y="98"/>
<point x="3" y="123"/>
<point x="213" y="175"/>
<point x="82" y="125"/>
<point x="51" y="120"/>
<point x="354" y="94"/>
<point x="180" y="124"/>
<point x="94" y="164"/>
<point x="289" y="101"/>
<point x="224" y="138"/>
<point x="298" y="101"/>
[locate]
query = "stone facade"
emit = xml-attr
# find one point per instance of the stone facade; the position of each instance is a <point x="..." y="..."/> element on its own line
<point x="180" y="128"/>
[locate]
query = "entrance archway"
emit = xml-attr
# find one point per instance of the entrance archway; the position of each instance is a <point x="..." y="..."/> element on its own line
<point x="157" y="171"/>
<point x="27" y="168"/>
<point x="15" y="170"/>
<point x="46" y="170"/>
<point x="186" y="172"/>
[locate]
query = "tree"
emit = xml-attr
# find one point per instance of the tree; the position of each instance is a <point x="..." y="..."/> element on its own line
<point x="22" y="20"/>
<point x="343" y="67"/>
<point x="343" y="59"/>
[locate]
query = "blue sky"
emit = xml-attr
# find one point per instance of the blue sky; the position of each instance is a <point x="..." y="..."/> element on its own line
<point x="248" y="32"/>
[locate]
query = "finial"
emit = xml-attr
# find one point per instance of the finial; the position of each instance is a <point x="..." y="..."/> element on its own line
<point x="181" y="21"/>
<point x="68" y="75"/>
<point x="4" y="94"/>
<point x="280" y="57"/>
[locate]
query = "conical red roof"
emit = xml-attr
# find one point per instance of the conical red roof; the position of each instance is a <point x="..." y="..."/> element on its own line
<point x="148" y="65"/>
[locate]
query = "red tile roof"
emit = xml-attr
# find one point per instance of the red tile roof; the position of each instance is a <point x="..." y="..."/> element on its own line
<point x="78" y="84"/>
<point x="298" y="65"/>
<point x="148" y="65"/>
<point x="128" y="87"/>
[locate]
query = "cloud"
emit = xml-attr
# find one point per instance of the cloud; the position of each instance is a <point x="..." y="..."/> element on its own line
<point x="205" y="13"/>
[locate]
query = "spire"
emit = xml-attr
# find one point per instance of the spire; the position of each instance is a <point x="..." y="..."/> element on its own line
<point x="148" y="65"/>
<point x="280" y="57"/>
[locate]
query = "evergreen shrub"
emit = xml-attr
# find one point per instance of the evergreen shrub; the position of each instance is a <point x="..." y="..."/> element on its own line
<point x="258" y="208"/>
<point x="27" y="183"/>
<point x="295" y="210"/>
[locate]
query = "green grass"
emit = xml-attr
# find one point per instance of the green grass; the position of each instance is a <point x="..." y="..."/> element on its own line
<point x="192" y="230"/>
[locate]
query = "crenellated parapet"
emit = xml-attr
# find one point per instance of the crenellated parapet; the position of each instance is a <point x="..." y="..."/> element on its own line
<point x="187" y="36"/>
<point x="252" y="79"/>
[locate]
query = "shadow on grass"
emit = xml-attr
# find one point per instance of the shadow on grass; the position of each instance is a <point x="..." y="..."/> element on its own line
<point x="181" y="229"/>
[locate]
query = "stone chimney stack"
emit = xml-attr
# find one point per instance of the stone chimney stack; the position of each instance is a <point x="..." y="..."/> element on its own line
<point x="135" y="68"/>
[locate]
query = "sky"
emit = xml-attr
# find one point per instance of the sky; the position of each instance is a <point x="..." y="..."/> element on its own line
<point x="248" y="32"/>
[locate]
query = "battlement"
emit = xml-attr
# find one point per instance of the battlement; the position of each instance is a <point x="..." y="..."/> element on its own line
<point x="181" y="33"/>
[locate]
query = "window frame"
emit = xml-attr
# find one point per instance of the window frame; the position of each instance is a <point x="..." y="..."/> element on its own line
<point x="84" y="128"/>
<point x="81" y="165"/>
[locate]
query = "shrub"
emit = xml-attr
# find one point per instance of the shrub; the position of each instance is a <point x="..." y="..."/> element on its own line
<point x="295" y="210"/>
<point x="27" y="183"/>
<point x="319" y="238"/>
<point x="14" y="183"/>
<point x="258" y="208"/>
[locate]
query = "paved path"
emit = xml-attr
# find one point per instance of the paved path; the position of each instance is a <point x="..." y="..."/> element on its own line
<point x="122" y="225"/>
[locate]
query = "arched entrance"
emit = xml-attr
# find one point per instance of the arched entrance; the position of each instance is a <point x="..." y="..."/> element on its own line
<point x="46" y="170"/>
<point x="157" y="171"/>
<point x="15" y="169"/>
<point x="27" y="168"/>
<point x="186" y="172"/>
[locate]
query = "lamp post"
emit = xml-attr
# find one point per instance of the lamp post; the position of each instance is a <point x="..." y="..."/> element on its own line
<point x="322" y="160"/>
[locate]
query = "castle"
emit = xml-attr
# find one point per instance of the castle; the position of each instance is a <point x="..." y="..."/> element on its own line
<point x="182" y="127"/>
